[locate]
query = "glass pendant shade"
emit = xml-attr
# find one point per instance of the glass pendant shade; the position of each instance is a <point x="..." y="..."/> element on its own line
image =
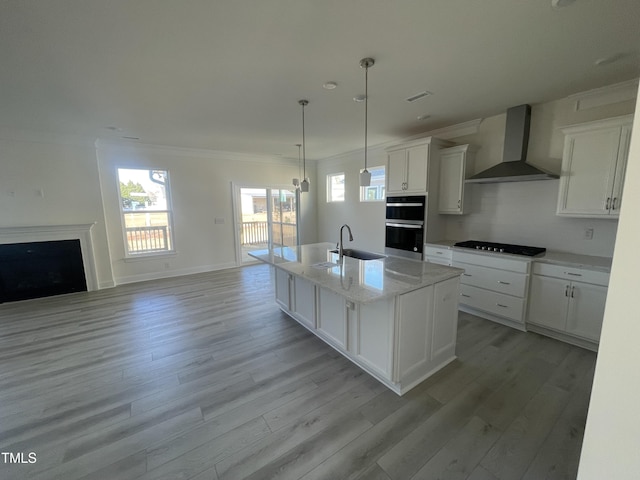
<point x="304" y="185"/>
<point x="365" y="178"/>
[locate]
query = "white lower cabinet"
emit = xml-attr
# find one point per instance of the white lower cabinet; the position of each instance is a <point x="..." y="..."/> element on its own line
<point x="494" y="287"/>
<point x="400" y="340"/>
<point x="297" y="296"/>
<point x="567" y="303"/>
<point x="438" y="254"/>
<point x="332" y="317"/>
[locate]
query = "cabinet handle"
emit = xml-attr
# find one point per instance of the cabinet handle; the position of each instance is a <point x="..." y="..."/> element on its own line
<point x="574" y="274"/>
<point x="566" y="291"/>
<point x="459" y="202"/>
<point x="608" y="206"/>
<point x="466" y="275"/>
<point x="504" y="283"/>
<point x="500" y="305"/>
<point x="463" y="295"/>
<point x="438" y="253"/>
<point x="572" y="289"/>
<point x="613" y="205"/>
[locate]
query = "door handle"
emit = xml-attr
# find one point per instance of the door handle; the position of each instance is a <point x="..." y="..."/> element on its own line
<point x="608" y="206"/>
<point x="566" y="291"/>
<point x="613" y="204"/>
<point x="572" y="290"/>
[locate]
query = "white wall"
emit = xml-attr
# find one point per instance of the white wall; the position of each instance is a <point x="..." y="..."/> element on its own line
<point x="201" y="187"/>
<point x="366" y="219"/>
<point x="612" y="436"/>
<point x="66" y="172"/>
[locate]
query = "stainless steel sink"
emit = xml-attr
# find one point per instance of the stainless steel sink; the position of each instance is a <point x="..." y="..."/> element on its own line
<point x="359" y="254"/>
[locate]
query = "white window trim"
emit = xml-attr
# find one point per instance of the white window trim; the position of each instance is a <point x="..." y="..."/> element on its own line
<point x="128" y="257"/>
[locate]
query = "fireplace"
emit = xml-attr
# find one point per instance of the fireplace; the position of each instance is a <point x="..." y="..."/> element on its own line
<point x="40" y="269"/>
<point x="40" y="261"/>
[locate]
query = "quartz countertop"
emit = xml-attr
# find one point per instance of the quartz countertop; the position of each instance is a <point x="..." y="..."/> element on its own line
<point x="358" y="280"/>
<point x="601" y="264"/>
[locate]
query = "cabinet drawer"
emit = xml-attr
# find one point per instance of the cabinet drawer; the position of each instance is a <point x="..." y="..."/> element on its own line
<point x="501" y="281"/>
<point x="571" y="273"/>
<point x="438" y="252"/>
<point x="490" y="260"/>
<point x="493" y="302"/>
<point x="438" y="261"/>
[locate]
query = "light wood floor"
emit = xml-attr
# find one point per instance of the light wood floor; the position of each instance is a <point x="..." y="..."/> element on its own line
<point x="203" y="377"/>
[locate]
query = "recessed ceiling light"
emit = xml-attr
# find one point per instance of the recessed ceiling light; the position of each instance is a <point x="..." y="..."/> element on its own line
<point x="418" y="96"/>
<point x="561" y="3"/>
<point x="131" y="138"/>
<point x="329" y="85"/>
<point x="359" y="98"/>
<point x="423" y="117"/>
<point x="113" y="128"/>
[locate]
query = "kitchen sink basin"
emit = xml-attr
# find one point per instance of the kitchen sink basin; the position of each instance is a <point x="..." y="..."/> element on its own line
<point x="359" y="254"/>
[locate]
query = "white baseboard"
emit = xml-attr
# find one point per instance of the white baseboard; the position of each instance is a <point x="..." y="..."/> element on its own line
<point x="173" y="273"/>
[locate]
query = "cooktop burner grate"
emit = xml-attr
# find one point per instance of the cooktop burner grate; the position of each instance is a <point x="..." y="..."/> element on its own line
<point x="502" y="248"/>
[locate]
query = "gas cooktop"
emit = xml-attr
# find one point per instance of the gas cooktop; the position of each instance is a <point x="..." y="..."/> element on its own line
<point x="502" y="248"/>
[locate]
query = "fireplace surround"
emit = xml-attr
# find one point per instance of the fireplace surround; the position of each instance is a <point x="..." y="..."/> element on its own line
<point x="38" y="245"/>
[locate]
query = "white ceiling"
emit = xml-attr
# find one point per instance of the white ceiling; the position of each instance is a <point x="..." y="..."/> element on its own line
<point x="227" y="74"/>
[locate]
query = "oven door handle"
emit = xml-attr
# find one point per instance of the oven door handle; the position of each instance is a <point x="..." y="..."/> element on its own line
<point x="405" y="204"/>
<point x="404" y="225"/>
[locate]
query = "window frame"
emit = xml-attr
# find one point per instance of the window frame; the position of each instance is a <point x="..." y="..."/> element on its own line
<point x="171" y="250"/>
<point x="330" y="198"/>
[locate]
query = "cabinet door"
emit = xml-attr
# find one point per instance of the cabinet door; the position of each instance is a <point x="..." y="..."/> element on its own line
<point x="549" y="302"/>
<point x="586" y="310"/>
<point x="445" y="319"/>
<point x="283" y="287"/>
<point x="303" y="301"/>
<point x="621" y="169"/>
<point x="588" y="172"/>
<point x="415" y="314"/>
<point x="374" y="336"/>
<point x="417" y="163"/>
<point x="396" y="171"/>
<point x="451" y="183"/>
<point x="332" y="318"/>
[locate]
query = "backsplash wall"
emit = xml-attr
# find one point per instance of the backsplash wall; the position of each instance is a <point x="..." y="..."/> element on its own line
<point x="524" y="213"/>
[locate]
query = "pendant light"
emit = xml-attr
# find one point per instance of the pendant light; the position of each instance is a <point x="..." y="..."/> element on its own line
<point x="304" y="185"/>
<point x="365" y="176"/>
<point x="296" y="181"/>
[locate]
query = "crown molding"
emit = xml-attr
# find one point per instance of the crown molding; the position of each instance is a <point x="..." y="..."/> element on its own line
<point x="607" y="95"/>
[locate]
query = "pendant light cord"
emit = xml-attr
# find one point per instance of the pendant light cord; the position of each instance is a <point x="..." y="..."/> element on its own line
<point x="366" y="112"/>
<point x="304" y="154"/>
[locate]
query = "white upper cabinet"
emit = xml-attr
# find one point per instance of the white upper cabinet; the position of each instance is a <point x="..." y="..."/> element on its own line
<point x="407" y="170"/>
<point x="593" y="168"/>
<point x="411" y="166"/>
<point x="455" y="163"/>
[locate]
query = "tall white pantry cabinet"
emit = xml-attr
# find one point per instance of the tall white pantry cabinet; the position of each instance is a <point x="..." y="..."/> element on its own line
<point x="593" y="167"/>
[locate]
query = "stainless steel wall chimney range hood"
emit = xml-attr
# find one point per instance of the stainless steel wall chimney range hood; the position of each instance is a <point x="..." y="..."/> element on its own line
<point x="514" y="167"/>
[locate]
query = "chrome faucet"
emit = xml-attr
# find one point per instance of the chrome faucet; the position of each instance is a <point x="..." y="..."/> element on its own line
<point x="340" y="249"/>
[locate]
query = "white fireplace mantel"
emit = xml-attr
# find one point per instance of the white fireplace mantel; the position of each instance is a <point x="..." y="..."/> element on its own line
<point x="45" y="233"/>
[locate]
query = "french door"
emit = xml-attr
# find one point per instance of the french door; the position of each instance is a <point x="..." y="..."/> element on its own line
<point x="265" y="217"/>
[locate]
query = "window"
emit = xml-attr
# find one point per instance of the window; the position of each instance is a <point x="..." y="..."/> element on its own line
<point x="374" y="192"/>
<point x="146" y="211"/>
<point x="335" y="187"/>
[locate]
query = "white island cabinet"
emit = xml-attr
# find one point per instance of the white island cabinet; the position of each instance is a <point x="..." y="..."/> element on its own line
<point x="395" y="318"/>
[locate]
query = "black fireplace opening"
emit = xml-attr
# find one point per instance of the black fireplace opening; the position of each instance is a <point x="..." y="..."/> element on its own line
<point x="40" y="269"/>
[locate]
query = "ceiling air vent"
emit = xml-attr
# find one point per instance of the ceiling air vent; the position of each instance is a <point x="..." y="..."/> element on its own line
<point x="418" y="96"/>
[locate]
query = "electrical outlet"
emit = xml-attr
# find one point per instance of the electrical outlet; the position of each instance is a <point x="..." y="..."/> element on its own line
<point x="218" y="221"/>
<point x="588" y="234"/>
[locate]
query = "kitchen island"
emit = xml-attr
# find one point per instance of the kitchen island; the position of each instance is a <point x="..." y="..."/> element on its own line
<point x="396" y="318"/>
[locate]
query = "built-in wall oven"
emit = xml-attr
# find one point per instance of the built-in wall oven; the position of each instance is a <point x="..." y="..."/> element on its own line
<point x="404" y="226"/>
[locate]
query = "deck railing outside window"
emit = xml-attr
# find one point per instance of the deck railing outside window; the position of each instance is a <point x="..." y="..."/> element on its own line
<point x="147" y="239"/>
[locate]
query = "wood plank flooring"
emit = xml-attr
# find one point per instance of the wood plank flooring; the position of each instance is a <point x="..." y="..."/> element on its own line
<point x="203" y="377"/>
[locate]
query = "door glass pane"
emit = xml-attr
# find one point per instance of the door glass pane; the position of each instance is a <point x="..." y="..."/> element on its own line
<point x="268" y="216"/>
